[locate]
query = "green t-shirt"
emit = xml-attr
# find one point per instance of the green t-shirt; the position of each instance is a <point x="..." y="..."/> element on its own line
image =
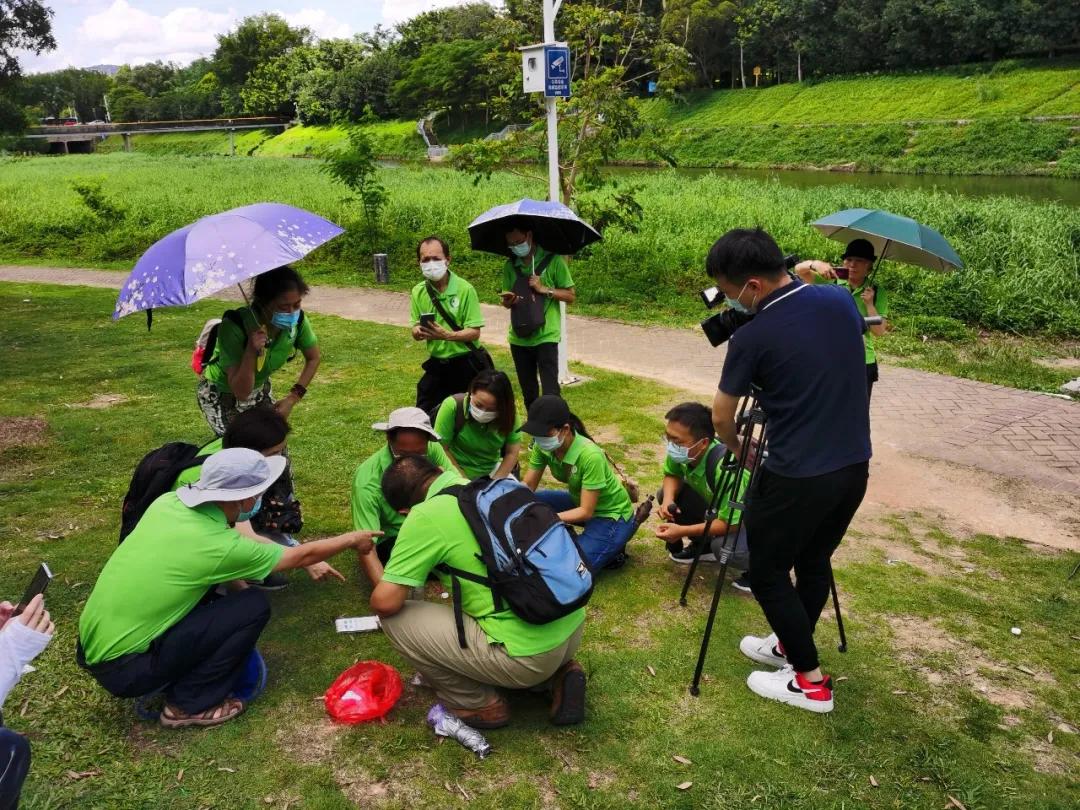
<point x="477" y="447"/>
<point x="695" y="475"/>
<point x="460" y="300"/>
<point x="556" y="276"/>
<point x="370" y="511"/>
<point x="881" y="303"/>
<point x="161" y="571"/>
<point x="191" y="474"/>
<point x="436" y="532"/>
<point x="232" y="342"/>
<point x="586" y="466"/>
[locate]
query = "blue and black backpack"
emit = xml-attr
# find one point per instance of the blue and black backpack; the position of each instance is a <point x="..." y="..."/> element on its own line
<point x="535" y="566"/>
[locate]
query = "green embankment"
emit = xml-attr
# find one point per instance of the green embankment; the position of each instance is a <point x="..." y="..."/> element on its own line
<point x="959" y="121"/>
<point x="1000" y="119"/>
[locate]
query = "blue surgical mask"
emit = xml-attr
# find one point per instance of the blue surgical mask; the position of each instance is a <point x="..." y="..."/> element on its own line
<point x="244" y="516"/>
<point x="737" y="305"/>
<point x="547" y="443"/>
<point x="286" y="320"/>
<point x="678" y="453"/>
<point x="522" y="250"/>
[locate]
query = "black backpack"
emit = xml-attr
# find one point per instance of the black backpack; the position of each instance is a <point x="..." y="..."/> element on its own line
<point x="153" y="477"/>
<point x="527" y="316"/>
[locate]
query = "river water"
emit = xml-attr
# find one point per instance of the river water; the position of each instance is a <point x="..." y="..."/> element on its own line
<point x="1041" y="189"/>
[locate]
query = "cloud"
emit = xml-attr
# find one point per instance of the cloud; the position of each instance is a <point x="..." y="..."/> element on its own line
<point x="319" y="21"/>
<point x="395" y="11"/>
<point x="122" y="34"/>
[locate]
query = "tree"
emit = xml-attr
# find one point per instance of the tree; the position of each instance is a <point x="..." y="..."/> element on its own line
<point x="24" y="25"/>
<point x="441" y="26"/>
<point x="442" y="76"/>
<point x="49" y="94"/>
<point x="705" y="28"/>
<point x="268" y="89"/>
<point x="356" y="167"/>
<point x="255" y="41"/>
<point x="128" y="103"/>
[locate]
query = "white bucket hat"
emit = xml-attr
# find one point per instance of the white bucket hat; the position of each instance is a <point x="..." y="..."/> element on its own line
<point x="410" y="418"/>
<point x="232" y="475"/>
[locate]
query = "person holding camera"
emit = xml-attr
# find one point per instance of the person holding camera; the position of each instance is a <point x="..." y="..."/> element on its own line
<point x="22" y="639"/>
<point x="854" y="275"/>
<point x="692" y="475"/>
<point x="445" y="311"/>
<point x="803" y="354"/>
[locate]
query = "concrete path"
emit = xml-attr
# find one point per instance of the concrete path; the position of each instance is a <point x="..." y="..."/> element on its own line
<point x="997" y="459"/>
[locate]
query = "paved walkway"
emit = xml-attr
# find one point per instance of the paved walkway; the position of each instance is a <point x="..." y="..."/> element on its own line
<point x="1010" y="433"/>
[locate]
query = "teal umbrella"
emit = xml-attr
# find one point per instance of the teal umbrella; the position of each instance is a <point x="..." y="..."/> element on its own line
<point x="894" y="237"/>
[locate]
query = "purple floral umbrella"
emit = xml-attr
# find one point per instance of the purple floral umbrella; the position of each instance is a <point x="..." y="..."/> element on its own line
<point x="218" y="251"/>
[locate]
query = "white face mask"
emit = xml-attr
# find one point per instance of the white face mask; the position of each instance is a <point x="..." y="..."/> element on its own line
<point x="521" y="250"/>
<point x="480" y="415"/>
<point x="433" y="270"/>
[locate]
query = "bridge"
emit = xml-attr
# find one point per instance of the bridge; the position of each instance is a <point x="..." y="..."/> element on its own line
<point x="83" y="137"/>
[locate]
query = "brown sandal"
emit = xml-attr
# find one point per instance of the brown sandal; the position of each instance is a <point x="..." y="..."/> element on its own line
<point x="172" y="717"/>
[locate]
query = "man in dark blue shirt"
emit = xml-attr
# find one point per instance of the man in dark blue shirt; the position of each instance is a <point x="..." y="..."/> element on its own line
<point x="804" y="352"/>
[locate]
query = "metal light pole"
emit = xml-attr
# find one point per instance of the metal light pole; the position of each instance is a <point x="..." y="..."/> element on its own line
<point x="551" y="8"/>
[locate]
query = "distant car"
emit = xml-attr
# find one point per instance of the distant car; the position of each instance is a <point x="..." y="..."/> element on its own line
<point x="99" y="121"/>
<point x="70" y="122"/>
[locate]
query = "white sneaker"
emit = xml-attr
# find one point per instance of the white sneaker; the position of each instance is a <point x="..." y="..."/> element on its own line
<point x="763" y="650"/>
<point x="788" y="686"/>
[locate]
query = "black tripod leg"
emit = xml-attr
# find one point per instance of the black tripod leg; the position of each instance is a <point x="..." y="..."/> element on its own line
<point x="1073" y="574"/>
<point x="695" y="687"/>
<point x="842" y="646"/>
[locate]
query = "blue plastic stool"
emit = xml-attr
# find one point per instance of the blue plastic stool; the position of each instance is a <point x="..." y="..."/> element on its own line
<point x="250" y="684"/>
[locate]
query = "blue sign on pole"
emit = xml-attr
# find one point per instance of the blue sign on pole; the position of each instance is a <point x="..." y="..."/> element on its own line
<point x="556" y="71"/>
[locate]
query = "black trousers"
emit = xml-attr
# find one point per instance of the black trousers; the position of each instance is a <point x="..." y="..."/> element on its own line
<point x="871" y="378"/>
<point x="198" y="660"/>
<point x="692" y="509"/>
<point x="798" y="523"/>
<point x="442" y="379"/>
<point x="14" y="765"/>
<point x="533" y="361"/>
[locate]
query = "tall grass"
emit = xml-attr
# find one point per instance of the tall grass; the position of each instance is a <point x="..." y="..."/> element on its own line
<point x="1023" y="257"/>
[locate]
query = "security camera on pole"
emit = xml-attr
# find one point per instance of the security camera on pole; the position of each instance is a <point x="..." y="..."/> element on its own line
<point x="545" y="69"/>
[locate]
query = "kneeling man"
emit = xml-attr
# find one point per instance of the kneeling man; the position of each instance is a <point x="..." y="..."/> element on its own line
<point x="153" y="620"/>
<point x="503" y="650"/>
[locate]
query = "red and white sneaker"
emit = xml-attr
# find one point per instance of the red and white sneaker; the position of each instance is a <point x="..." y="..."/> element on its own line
<point x="763" y="650"/>
<point x="788" y="686"/>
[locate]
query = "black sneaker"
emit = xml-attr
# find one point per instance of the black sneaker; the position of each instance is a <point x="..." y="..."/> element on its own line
<point x="742" y="582"/>
<point x="686" y="556"/>
<point x="618" y="561"/>
<point x="273" y="582"/>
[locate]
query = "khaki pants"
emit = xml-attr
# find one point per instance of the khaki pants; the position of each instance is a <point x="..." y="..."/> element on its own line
<point x="425" y="634"/>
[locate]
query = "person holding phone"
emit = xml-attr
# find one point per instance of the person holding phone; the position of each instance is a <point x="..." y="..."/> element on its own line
<point x="854" y="275"/>
<point x="533" y="272"/>
<point x="444" y="311"/>
<point x="22" y="639"/>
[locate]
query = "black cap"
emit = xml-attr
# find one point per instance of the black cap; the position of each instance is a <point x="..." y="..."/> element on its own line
<point x="547" y="412"/>
<point x="860" y="249"/>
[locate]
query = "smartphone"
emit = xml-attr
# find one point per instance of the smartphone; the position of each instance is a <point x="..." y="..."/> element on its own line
<point x="427" y="319"/>
<point x="841" y="271"/>
<point x="357" y="624"/>
<point x="37" y="585"/>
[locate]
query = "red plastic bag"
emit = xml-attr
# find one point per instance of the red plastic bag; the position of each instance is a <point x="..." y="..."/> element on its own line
<point x="365" y="691"/>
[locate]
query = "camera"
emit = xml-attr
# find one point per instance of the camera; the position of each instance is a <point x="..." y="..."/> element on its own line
<point x="720" y="327"/>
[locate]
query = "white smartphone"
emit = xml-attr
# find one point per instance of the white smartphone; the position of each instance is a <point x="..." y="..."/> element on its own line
<point x="357" y="624"/>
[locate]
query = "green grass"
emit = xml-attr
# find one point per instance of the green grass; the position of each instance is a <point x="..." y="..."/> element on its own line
<point x="921" y="742"/>
<point x="1023" y="257"/>
<point x="960" y="93"/>
<point x="393" y="139"/>
<point x="189" y="143"/>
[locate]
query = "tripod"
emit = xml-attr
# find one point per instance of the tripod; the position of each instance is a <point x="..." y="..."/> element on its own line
<point x="753" y="449"/>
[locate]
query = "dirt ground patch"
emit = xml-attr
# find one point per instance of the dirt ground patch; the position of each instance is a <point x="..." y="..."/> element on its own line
<point x="926" y="647"/>
<point x="101" y="401"/>
<point x="22" y="431"/>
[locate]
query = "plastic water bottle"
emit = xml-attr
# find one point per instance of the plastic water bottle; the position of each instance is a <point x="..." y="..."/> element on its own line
<point x="447" y="724"/>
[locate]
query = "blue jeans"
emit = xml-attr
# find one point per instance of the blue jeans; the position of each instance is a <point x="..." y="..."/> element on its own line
<point x="601" y="538"/>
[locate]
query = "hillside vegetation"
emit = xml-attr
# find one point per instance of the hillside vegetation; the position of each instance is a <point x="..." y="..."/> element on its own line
<point x="1005" y="119"/>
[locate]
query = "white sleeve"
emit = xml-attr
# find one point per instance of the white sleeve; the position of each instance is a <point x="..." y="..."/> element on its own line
<point x="19" y="645"/>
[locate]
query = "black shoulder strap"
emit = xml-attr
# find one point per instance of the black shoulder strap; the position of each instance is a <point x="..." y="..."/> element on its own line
<point x="712" y="463"/>
<point x="459" y="413"/>
<point x="446" y="316"/>
<point x="456" y="575"/>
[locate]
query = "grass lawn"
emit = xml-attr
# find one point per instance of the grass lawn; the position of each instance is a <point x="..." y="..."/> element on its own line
<point x="938" y="699"/>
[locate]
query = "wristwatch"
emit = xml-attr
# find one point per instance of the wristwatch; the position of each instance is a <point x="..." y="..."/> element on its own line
<point x="549" y="293"/>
